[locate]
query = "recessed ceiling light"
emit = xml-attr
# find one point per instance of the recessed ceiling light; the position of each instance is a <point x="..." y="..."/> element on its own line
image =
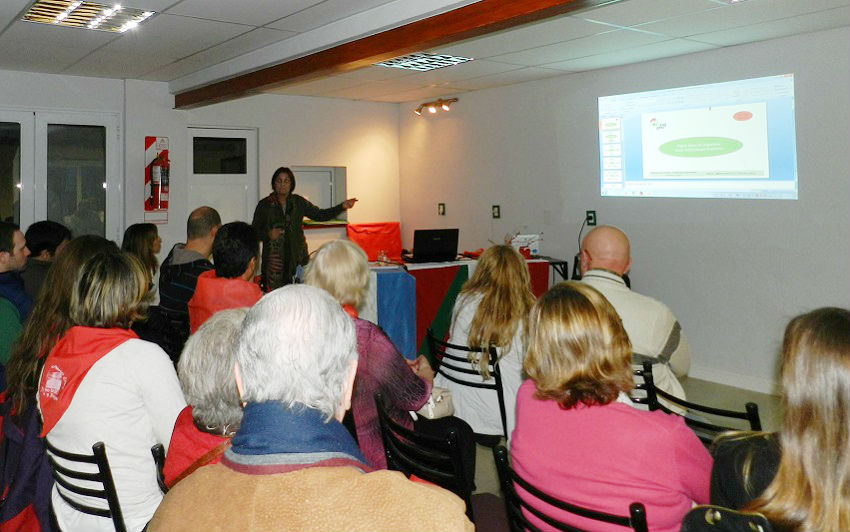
<point x="83" y="14"/>
<point x="422" y="62"/>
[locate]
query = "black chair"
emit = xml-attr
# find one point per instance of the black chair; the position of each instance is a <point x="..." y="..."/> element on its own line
<point x="515" y="505"/>
<point x="158" y="452"/>
<point x="436" y="459"/>
<point x="705" y="430"/>
<point x="66" y="477"/>
<point x="464" y="374"/>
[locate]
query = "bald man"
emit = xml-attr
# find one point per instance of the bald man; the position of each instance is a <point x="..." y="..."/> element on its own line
<point x="653" y="330"/>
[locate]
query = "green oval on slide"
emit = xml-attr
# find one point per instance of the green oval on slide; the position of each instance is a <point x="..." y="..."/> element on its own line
<point x="700" y="146"/>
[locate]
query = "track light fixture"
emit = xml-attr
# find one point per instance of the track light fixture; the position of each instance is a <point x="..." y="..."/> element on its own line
<point x="435" y="106"/>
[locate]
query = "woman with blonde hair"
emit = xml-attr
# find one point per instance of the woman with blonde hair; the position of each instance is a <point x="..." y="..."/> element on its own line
<point x="491" y="311"/>
<point x="340" y="268"/>
<point x="577" y="436"/>
<point x="100" y="383"/>
<point x="799" y="479"/>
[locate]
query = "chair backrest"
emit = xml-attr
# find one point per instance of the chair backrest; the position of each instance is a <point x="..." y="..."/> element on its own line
<point x="158" y="452"/>
<point x="518" y="508"/>
<point x="66" y="477"/>
<point x="462" y="372"/>
<point x="705" y="430"/>
<point x="436" y="459"/>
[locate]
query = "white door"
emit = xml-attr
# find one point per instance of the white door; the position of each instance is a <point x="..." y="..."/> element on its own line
<point x="62" y="166"/>
<point x="78" y="172"/>
<point x="223" y="171"/>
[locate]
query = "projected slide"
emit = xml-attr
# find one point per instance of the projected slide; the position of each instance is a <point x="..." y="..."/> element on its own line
<point x="726" y="140"/>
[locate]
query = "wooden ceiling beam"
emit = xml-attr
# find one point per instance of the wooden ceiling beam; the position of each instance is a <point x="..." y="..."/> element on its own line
<point x="473" y="20"/>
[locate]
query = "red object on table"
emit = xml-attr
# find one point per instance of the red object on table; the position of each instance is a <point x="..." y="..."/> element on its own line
<point x="376" y="237"/>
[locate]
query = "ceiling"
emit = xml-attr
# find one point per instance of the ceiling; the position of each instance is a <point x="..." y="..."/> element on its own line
<point x="191" y="43"/>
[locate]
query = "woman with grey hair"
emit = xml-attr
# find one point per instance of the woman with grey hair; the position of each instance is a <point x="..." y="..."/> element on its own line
<point x="203" y="429"/>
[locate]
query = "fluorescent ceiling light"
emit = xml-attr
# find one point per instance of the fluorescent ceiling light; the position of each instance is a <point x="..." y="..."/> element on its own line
<point x="83" y="14"/>
<point x="422" y="62"/>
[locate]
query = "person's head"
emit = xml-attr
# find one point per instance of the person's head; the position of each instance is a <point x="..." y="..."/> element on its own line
<point x="50" y="317"/>
<point x="606" y="247"/>
<point x="298" y="347"/>
<point x="502" y="280"/>
<point x="283" y="181"/>
<point x="143" y="241"/>
<point x="578" y="350"/>
<point x="206" y="373"/>
<point x="235" y="250"/>
<point x="46" y="239"/>
<point x="109" y="291"/>
<point x="810" y="489"/>
<point x="202" y="224"/>
<point x="340" y="268"/>
<point x="13" y="248"/>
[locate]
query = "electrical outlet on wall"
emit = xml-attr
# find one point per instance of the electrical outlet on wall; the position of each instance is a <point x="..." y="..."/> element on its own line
<point x="497" y="211"/>
<point x="441" y="209"/>
<point x="590" y="216"/>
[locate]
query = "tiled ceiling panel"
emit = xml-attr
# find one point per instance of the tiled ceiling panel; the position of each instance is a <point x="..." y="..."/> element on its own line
<point x="234" y="47"/>
<point x="323" y="13"/>
<point x="641" y="11"/>
<point x="255" y="13"/>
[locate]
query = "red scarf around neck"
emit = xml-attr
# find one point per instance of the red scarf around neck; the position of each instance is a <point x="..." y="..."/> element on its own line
<point x="350" y="310"/>
<point x="68" y="363"/>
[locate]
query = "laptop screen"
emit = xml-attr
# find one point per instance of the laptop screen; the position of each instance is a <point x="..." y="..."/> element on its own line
<point x="435" y="245"/>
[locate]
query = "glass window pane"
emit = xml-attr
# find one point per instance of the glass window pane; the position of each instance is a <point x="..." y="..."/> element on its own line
<point x="10" y="172"/>
<point x="76" y="177"/>
<point x="215" y="155"/>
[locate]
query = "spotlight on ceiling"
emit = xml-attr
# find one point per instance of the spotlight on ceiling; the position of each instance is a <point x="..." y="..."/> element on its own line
<point x="435" y="106"/>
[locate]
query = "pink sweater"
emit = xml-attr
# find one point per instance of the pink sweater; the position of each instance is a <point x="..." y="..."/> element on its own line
<point x="606" y="457"/>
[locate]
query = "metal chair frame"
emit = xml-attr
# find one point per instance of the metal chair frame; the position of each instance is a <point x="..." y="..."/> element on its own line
<point x="436" y="459"/>
<point x="704" y="430"/>
<point x="461" y="366"/>
<point x="515" y="505"/>
<point x="65" y="476"/>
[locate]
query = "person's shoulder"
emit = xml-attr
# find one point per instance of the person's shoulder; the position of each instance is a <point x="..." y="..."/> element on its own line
<point x="734" y="447"/>
<point x="423" y="503"/>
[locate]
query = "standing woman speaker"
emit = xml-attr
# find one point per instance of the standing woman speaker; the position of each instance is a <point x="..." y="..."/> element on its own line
<point x="277" y="219"/>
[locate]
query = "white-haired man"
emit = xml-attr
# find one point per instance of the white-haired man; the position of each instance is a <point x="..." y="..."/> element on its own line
<point x="292" y="465"/>
<point x="655" y="333"/>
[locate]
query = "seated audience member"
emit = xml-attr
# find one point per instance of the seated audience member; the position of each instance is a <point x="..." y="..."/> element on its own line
<point x="491" y="310"/>
<point x="32" y="482"/>
<point x="143" y="241"/>
<point x="578" y="438"/>
<point x="15" y="303"/>
<point x="100" y="383"/>
<point x="654" y="332"/>
<point x="45" y="240"/>
<point x="179" y="272"/>
<point x="229" y="285"/>
<point x="204" y="428"/>
<point x="799" y="479"/>
<point x="341" y="269"/>
<point x="292" y="465"/>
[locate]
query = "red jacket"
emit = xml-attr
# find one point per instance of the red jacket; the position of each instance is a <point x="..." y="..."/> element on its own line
<point x="214" y="293"/>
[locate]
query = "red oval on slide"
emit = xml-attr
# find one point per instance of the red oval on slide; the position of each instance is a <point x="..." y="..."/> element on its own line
<point x="740" y="116"/>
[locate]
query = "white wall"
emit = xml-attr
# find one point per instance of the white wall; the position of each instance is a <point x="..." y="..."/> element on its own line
<point x="734" y="272"/>
<point x="361" y="136"/>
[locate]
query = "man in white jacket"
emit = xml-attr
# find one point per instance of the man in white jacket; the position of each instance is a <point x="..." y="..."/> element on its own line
<point x="652" y="328"/>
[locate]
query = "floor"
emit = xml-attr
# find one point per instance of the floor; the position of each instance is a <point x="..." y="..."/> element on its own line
<point x="698" y="391"/>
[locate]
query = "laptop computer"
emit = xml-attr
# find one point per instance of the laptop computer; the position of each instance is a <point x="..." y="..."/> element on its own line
<point x="434" y="245"/>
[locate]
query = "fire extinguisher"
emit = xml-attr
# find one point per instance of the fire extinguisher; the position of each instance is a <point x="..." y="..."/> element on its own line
<point x="156" y="183"/>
